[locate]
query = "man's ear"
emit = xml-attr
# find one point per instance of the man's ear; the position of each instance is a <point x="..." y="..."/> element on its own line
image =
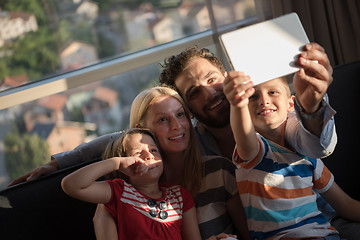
<point x="291" y="103"/>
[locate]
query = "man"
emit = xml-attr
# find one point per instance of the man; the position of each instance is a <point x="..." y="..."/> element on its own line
<point x="198" y="77"/>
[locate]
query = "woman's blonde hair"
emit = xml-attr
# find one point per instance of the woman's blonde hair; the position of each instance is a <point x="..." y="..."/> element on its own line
<point x="193" y="170"/>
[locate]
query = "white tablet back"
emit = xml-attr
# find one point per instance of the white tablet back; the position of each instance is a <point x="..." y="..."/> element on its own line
<point x="266" y="50"/>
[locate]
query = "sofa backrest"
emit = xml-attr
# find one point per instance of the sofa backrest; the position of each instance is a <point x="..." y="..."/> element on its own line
<point x="41" y="210"/>
<point x="344" y="94"/>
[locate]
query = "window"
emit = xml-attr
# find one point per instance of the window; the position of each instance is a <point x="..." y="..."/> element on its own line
<point x="72" y="68"/>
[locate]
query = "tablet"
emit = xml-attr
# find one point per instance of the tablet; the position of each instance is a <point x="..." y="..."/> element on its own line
<point x="266" y="50"/>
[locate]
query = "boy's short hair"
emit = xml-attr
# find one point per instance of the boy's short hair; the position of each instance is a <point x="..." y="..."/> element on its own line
<point x="287" y="80"/>
<point x="175" y="65"/>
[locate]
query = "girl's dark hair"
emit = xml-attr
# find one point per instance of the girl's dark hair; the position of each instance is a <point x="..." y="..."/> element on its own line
<point x="116" y="148"/>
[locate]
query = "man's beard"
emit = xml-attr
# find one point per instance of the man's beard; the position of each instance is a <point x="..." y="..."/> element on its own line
<point x="222" y="118"/>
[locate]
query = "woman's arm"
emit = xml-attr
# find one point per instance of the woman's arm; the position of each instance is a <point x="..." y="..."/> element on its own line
<point x="190" y="227"/>
<point x="104" y="224"/>
<point x="343" y="204"/>
<point x="43" y="170"/>
<point x="83" y="153"/>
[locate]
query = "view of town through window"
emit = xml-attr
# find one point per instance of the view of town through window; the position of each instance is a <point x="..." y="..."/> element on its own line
<point x="39" y="39"/>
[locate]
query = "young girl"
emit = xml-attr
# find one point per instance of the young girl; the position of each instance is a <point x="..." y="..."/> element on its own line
<point x="142" y="208"/>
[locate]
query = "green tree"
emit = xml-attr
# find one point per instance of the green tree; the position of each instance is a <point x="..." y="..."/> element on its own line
<point x="24" y="152"/>
<point x="106" y="47"/>
<point x="34" y="54"/>
<point x="35" y="7"/>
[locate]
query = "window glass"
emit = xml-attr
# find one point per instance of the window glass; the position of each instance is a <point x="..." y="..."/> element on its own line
<point x="30" y="133"/>
<point x="39" y="39"/>
<point x="230" y="11"/>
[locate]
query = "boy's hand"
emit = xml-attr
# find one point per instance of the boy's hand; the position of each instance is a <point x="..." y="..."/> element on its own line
<point x="313" y="79"/>
<point x="238" y="87"/>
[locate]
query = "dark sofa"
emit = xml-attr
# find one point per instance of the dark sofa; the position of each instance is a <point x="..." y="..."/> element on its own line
<point x="344" y="94"/>
<point x="41" y="210"/>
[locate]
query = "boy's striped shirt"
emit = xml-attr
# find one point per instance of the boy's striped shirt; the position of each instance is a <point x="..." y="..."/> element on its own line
<point x="276" y="189"/>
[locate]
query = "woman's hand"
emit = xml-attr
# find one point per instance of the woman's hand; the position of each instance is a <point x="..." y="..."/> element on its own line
<point x="221" y="236"/>
<point x="43" y="170"/>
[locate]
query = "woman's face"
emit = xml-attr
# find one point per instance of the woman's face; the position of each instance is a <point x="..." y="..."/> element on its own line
<point x="167" y="119"/>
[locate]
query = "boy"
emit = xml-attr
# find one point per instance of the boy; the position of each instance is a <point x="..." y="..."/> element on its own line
<point x="276" y="183"/>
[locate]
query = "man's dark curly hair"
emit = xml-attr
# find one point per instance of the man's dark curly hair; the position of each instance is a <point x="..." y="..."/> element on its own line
<point x="174" y="65"/>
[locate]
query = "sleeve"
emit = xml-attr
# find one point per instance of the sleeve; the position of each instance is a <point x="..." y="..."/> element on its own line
<point x="85" y="152"/>
<point x="117" y="187"/>
<point x="223" y="170"/>
<point x="323" y="178"/>
<point x="307" y="143"/>
<point x="229" y="177"/>
<point x="256" y="160"/>
<point x="187" y="199"/>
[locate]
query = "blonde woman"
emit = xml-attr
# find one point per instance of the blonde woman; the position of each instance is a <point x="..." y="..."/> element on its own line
<point x="211" y="181"/>
<point x="162" y="110"/>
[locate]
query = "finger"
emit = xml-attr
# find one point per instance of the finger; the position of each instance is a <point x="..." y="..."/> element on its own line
<point x="222" y="235"/>
<point x="36" y="174"/>
<point x="235" y="97"/>
<point x="19" y="180"/>
<point x="317" y="70"/>
<point x="242" y="99"/>
<point x="315" y="52"/>
<point x="138" y="160"/>
<point x="239" y="78"/>
<point x="154" y="163"/>
<point x="318" y="86"/>
<point x="233" y="74"/>
<point x="236" y="80"/>
<point x="141" y="169"/>
<point x="242" y="86"/>
<point x="313" y="45"/>
<point x="316" y="57"/>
